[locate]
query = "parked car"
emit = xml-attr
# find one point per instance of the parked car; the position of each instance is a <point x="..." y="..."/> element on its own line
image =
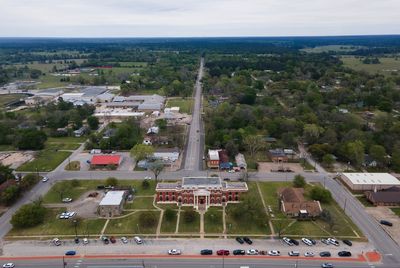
<point x="85" y="241"/>
<point x="224" y="252"/>
<point x="147" y="178"/>
<point x="138" y="240"/>
<point x="240" y="240"/>
<point x="313" y="241"/>
<point x="294" y="241"/>
<point x="105" y="240"/>
<point x="327" y="265"/>
<point x="112" y="239"/>
<point x="348" y="242"/>
<point x="174" y="252"/>
<point x="385" y="222"/>
<point x="287" y="241"/>
<point x="124" y="240"/>
<point x="325" y="254"/>
<point x="239" y="252"/>
<point x="70" y="253"/>
<point x="344" y="253"/>
<point x="206" y="252"/>
<point x="309" y="254"/>
<point x="252" y="252"/>
<point x="76" y="240"/>
<point x="333" y="241"/>
<point x="44" y="179"/>
<point x="9" y="265"/>
<point x="56" y="242"/>
<point x="247" y="240"/>
<point x="325" y="241"/>
<point x="274" y="253"/>
<point x="307" y="241"/>
<point x="67" y="200"/>
<point x="227" y="179"/>
<point x="294" y="253"/>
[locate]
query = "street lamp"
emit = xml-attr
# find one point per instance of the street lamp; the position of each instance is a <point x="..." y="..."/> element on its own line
<point x="76" y="231"/>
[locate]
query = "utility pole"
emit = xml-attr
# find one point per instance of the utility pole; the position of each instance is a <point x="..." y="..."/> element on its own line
<point x="64" y="263"/>
<point x="344" y="207"/>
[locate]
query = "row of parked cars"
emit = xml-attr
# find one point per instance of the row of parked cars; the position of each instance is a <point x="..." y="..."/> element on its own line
<point x="292" y="253"/>
<point x="106" y="240"/>
<point x="311" y="242"/>
<point x="67" y="215"/>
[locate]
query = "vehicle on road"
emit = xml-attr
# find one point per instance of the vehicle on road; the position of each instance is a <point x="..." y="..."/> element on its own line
<point x="67" y="200"/>
<point x="227" y="179"/>
<point x="224" y="252"/>
<point x="327" y="265"/>
<point x="124" y="240"/>
<point x="252" y="252"/>
<point x="174" y="251"/>
<point x="239" y="240"/>
<point x="9" y="265"/>
<point x="309" y="254"/>
<point x="307" y="241"/>
<point x="206" y="252"/>
<point x="347" y="242"/>
<point x="239" y="252"/>
<point x="70" y="253"/>
<point x="333" y="241"/>
<point x="138" y="240"/>
<point x="45" y="179"/>
<point x="274" y="253"/>
<point x="56" y="242"/>
<point x="287" y="241"/>
<point x="247" y="240"/>
<point x="344" y="253"/>
<point x="294" y="253"/>
<point x="385" y="222"/>
<point x="325" y="254"/>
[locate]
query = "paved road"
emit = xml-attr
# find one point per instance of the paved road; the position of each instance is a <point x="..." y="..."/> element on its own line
<point x="194" y="152"/>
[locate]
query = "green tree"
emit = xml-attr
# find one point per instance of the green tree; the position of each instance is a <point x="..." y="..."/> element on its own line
<point x="111" y="181"/>
<point x="378" y="153"/>
<point x="189" y="216"/>
<point x="6" y="173"/>
<point x="299" y="181"/>
<point x="355" y="152"/>
<point x="156" y="167"/>
<point x="145" y="184"/>
<point x="142" y="151"/>
<point x="29" y="215"/>
<point x="29" y="180"/>
<point x="254" y="143"/>
<point x="328" y="160"/>
<point x="30" y="139"/>
<point x="93" y="122"/>
<point x="10" y="195"/>
<point x="311" y="133"/>
<point x="320" y="194"/>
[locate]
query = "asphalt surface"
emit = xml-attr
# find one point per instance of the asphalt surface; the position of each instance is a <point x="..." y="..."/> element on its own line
<point x="193" y="152"/>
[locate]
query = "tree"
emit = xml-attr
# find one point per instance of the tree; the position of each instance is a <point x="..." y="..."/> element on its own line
<point x="320" y="194"/>
<point x="6" y="173"/>
<point x="145" y="184"/>
<point x="299" y="181"/>
<point x="10" y="195"/>
<point x="161" y="123"/>
<point x="30" y="139"/>
<point x="355" y="152"/>
<point x="29" y="215"/>
<point x="148" y="219"/>
<point x="29" y="180"/>
<point x="189" y="216"/>
<point x="254" y="143"/>
<point x="328" y="160"/>
<point x="111" y="181"/>
<point x="169" y="214"/>
<point x="378" y="153"/>
<point x="156" y="167"/>
<point x="311" y="133"/>
<point x="327" y="217"/>
<point x="142" y="151"/>
<point x="93" y="122"/>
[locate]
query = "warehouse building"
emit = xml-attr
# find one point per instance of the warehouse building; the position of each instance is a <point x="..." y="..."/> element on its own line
<point x="112" y="204"/>
<point x="369" y="181"/>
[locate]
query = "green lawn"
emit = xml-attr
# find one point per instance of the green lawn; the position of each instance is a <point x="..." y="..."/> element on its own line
<point x="54" y="226"/>
<point x="131" y="225"/>
<point x="185" y="105"/>
<point x="213" y="220"/>
<point x="386" y="65"/>
<point x="396" y="211"/>
<point x="169" y="226"/>
<point x="141" y="203"/>
<point x="46" y="160"/>
<point x="192" y="227"/>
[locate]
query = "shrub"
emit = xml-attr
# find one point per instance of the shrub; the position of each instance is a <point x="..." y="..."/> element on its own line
<point x="145" y="184"/>
<point x="111" y="181"/>
<point x="321" y="194"/>
<point x="299" y="181"/>
<point x="75" y="183"/>
<point x="29" y="215"/>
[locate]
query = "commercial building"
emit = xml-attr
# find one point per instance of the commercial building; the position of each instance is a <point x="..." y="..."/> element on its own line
<point x="200" y="192"/>
<point x="369" y="181"/>
<point x="167" y="154"/>
<point x="213" y="159"/>
<point x="112" y="204"/>
<point x="241" y="161"/>
<point x="387" y="197"/>
<point x="293" y="204"/>
<point x="99" y="161"/>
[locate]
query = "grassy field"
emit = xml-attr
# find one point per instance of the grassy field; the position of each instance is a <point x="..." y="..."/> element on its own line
<point x="169" y="226"/>
<point x="141" y="203"/>
<point x="328" y="48"/>
<point x="7" y="98"/>
<point x="184" y="104"/>
<point x="54" y="226"/>
<point x="130" y="225"/>
<point x="396" y="211"/>
<point x="386" y="65"/>
<point x="134" y="64"/>
<point x="213" y="220"/>
<point x="193" y="227"/>
<point x="45" y="160"/>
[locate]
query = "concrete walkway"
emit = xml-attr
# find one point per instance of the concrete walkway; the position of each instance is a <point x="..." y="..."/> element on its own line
<point x="177" y="220"/>
<point x="224" y="222"/>
<point x="202" y="232"/>
<point x="271" y="226"/>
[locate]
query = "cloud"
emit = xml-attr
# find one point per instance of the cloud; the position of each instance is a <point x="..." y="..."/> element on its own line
<point x="132" y="18"/>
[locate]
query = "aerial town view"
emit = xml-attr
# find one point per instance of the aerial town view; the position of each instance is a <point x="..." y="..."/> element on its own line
<point x="180" y="134"/>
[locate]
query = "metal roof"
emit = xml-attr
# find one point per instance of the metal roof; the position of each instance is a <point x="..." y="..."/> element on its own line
<point x="203" y="181"/>
<point x="112" y="198"/>
<point x="372" y="178"/>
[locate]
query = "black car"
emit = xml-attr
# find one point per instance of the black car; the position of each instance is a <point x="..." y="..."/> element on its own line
<point x="76" y="240"/>
<point x="240" y="240"/>
<point x="294" y="242"/>
<point x="314" y="242"/>
<point x="247" y="240"/>
<point x="344" y="254"/>
<point x="239" y="252"/>
<point x="348" y="242"/>
<point x="105" y="240"/>
<point x="387" y="223"/>
<point x="206" y="252"/>
<point x="325" y="254"/>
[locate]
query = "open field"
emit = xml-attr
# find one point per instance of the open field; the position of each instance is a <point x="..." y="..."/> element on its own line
<point x="131" y="224"/>
<point x="45" y="160"/>
<point x="169" y="226"/>
<point x="213" y="221"/>
<point x="386" y="65"/>
<point x="184" y="104"/>
<point x="141" y="203"/>
<point x="192" y="227"/>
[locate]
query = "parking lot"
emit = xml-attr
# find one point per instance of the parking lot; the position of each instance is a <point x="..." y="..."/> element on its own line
<point x="268" y="166"/>
<point x="126" y="165"/>
<point x="384" y="213"/>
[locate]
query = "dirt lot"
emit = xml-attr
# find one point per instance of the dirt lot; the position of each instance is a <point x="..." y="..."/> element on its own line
<point x="15" y="159"/>
<point x="380" y="213"/>
<point x="268" y="166"/>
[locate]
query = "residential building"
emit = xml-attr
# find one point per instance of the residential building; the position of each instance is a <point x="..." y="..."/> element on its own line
<point x="277" y="155"/>
<point x="293" y="204"/>
<point x="369" y="181"/>
<point x="387" y="197"/>
<point x="105" y="160"/>
<point x="213" y="159"/>
<point x="112" y="204"/>
<point x="200" y="192"/>
<point x="105" y="97"/>
<point x="241" y="161"/>
<point x="80" y="132"/>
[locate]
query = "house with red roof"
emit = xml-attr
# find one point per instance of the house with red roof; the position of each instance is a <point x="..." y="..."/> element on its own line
<point x="105" y="160"/>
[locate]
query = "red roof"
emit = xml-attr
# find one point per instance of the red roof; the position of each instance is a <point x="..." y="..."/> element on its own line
<point x="106" y="160"/>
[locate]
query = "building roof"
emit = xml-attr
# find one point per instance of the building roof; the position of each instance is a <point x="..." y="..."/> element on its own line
<point x="390" y="195"/>
<point x="223" y="156"/>
<point x="112" y="198"/>
<point x="293" y="202"/>
<point x="372" y="178"/>
<point x="291" y="194"/>
<point x="201" y="181"/>
<point x="240" y="161"/>
<point x="213" y="155"/>
<point x="106" y="159"/>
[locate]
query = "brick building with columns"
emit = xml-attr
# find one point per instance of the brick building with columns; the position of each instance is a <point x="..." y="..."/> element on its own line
<point x="200" y="192"/>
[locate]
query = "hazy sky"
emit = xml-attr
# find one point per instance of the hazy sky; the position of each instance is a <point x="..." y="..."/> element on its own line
<point x="148" y="18"/>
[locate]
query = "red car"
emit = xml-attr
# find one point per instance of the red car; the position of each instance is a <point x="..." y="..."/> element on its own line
<point x="112" y="239"/>
<point x="223" y="252"/>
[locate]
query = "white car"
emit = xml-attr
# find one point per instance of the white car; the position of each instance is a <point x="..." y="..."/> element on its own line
<point x="333" y="241"/>
<point x="124" y="240"/>
<point x="147" y="178"/>
<point x="71" y="214"/>
<point x="325" y="241"/>
<point x="309" y="254"/>
<point x="67" y="200"/>
<point x="56" y="242"/>
<point x="307" y="241"/>
<point x="252" y="252"/>
<point x="9" y="265"/>
<point x="274" y="253"/>
<point x="287" y="241"/>
<point x="174" y="252"/>
<point x="85" y="241"/>
<point x="45" y="179"/>
<point x="138" y="240"/>
<point x="294" y="253"/>
<point x="64" y="216"/>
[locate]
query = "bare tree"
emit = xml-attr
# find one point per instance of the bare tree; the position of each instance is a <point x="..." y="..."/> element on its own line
<point x="254" y="144"/>
<point x="156" y="167"/>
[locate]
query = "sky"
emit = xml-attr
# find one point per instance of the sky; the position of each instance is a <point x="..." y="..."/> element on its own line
<point x="197" y="18"/>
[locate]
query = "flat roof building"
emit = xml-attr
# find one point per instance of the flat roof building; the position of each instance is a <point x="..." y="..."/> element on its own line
<point x="112" y="204"/>
<point x="369" y="181"/>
